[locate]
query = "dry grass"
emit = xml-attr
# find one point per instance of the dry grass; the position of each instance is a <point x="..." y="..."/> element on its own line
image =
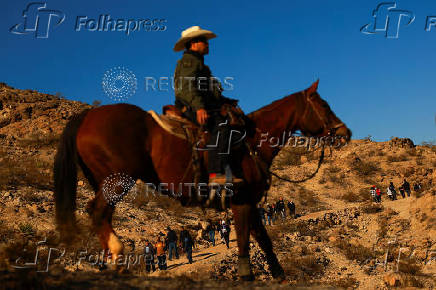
<point x="397" y="158"/>
<point x="371" y="208"/>
<point x="355" y="197"/>
<point x="303" y="268"/>
<point x="365" y="168"/>
<point x="28" y="171"/>
<point x="355" y="252"/>
<point x="39" y="141"/>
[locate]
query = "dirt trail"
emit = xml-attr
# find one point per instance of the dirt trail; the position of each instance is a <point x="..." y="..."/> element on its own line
<point x="203" y="259"/>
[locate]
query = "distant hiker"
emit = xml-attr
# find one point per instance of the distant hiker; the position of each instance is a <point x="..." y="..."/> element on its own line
<point x="389" y="193"/>
<point x="225" y="232"/>
<point x="401" y="189"/>
<point x="274" y="211"/>
<point x="210" y="229"/>
<point x="172" y="243"/>
<point x="378" y="193"/>
<point x="281" y="208"/>
<point x="188" y="244"/>
<point x="149" y="253"/>
<point x="269" y="214"/>
<point x="160" y="253"/>
<point x="373" y="193"/>
<point x="183" y="233"/>
<point x="406" y="187"/>
<point x="291" y="207"/>
<point x="261" y="211"/>
<point x="393" y="191"/>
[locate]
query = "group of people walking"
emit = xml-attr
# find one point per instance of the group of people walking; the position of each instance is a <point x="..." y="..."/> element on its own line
<point x="223" y="227"/>
<point x="168" y="243"/>
<point x="391" y="192"/>
<point x="275" y="210"/>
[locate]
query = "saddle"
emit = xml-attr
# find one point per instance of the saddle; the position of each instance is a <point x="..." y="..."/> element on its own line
<point x="174" y="123"/>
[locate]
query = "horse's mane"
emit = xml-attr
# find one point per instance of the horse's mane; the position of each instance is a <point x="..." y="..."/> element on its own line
<point x="273" y="106"/>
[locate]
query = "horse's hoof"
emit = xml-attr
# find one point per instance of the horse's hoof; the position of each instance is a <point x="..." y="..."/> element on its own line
<point x="247" y="277"/>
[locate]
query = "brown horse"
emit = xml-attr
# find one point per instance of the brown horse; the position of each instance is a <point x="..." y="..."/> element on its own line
<point x="125" y="139"/>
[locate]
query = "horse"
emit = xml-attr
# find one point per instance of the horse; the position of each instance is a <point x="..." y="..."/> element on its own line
<point x="116" y="138"/>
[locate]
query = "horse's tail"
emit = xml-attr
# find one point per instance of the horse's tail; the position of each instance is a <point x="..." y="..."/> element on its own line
<point x="65" y="177"/>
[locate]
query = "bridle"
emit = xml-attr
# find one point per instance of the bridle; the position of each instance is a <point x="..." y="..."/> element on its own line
<point x="331" y="130"/>
<point x="262" y="164"/>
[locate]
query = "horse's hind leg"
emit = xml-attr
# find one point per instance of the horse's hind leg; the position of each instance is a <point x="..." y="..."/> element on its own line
<point x="260" y="234"/>
<point x="101" y="214"/>
<point x="241" y="215"/>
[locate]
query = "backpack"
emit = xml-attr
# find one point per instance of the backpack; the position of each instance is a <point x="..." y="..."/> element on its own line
<point x="147" y="250"/>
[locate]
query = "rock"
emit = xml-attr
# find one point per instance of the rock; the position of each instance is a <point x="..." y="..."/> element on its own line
<point x="7" y="195"/>
<point x="80" y="183"/>
<point x="332" y="239"/>
<point x="392" y="279"/>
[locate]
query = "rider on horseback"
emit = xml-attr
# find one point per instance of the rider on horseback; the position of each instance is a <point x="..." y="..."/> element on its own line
<point x="199" y="97"/>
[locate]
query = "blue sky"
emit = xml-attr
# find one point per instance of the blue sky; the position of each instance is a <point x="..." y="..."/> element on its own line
<point x="377" y="86"/>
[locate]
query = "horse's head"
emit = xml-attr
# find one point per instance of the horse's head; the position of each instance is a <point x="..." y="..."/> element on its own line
<point x="318" y="119"/>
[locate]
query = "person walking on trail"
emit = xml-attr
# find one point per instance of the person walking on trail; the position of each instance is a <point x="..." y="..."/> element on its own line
<point x="188" y="243"/>
<point x="261" y="212"/>
<point x="391" y="188"/>
<point x="149" y="253"/>
<point x="199" y="98"/>
<point x="269" y="214"/>
<point x="183" y="233"/>
<point x="172" y="244"/>
<point x="280" y="205"/>
<point x="225" y="232"/>
<point x="160" y="253"/>
<point x="373" y="193"/>
<point x="401" y="189"/>
<point x="291" y="207"/>
<point x="378" y="193"/>
<point x="406" y="187"/>
<point x="210" y="229"/>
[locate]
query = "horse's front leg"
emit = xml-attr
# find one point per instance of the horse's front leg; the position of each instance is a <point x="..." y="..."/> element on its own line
<point x="241" y="216"/>
<point x="260" y="234"/>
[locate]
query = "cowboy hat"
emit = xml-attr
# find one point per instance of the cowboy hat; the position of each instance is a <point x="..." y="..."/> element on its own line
<point x="190" y="33"/>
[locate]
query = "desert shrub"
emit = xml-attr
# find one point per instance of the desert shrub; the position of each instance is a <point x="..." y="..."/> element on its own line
<point x="289" y="157"/>
<point x="355" y="197"/>
<point x="371" y="153"/>
<point x="397" y="158"/>
<point x="355" y="252"/>
<point x="430" y="144"/>
<point x="380" y="153"/>
<point x="365" y="168"/>
<point x="322" y="180"/>
<point x="413" y="152"/>
<point x="39" y="140"/>
<point x="28" y="171"/>
<point x="30" y="196"/>
<point x="26" y="228"/>
<point x="303" y="268"/>
<point x="345" y="283"/>
<point x="371" y="208"/>
<point x="420" y="161"/>
<point x="308" y="199"/>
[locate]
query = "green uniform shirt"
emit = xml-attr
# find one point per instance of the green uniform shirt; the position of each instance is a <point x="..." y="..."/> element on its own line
<point x="194" y="85"/>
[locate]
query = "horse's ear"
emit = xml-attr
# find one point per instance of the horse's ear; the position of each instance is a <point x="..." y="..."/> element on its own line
<point x="313" y="88"/>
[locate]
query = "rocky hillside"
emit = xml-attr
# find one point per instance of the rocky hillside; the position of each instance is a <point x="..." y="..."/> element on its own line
<point x="339" y="239"/>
